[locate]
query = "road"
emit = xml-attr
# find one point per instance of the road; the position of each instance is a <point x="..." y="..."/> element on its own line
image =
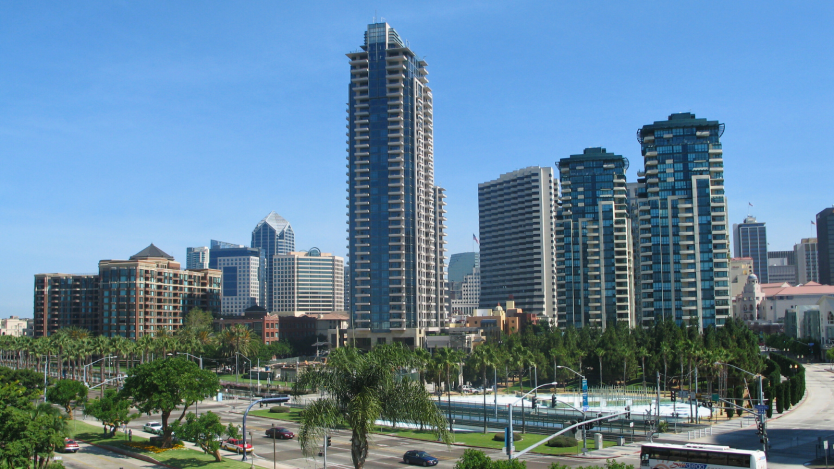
<point x="794" y="435"/>
<point x="385" y="451"/>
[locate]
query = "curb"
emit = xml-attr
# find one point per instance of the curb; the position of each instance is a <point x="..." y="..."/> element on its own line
<point x="129" y="454"/>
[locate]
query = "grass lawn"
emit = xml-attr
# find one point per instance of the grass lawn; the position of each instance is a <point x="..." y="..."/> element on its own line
<point x="180" y="458"/>
<point x="486" y="441"/>
<point x="294" y="415"/>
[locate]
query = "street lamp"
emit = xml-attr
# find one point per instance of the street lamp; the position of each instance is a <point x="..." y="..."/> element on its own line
<point x="93" y="363"/>
<point x="584" y="380"/>
<point x="273" y="447"/>
<point x="760" y="414"/>
<point x="236" y="368"/>
<point x="196" y="403"/>
<point x="510" y="437"/>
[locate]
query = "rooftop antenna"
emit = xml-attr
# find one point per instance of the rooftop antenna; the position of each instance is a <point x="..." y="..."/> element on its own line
<point x="374" y="16"/>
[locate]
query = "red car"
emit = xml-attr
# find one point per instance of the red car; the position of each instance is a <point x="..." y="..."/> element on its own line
<point x="70" y="446"/>
<point x="233" y="444"/>
<point x="279" y="433"/>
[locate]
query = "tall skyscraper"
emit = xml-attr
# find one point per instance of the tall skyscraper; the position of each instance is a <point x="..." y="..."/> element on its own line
<point x="594" y="271"/>
<point x="825" y="243"/>
<point x="464" y="283"/>
<point x="272" y="235"/>
<point x="781" y="267"/>
<point x="684" y="244"/>
<point x="461" y="264"/>
<point x="750" y="240"/>
<point x="197" y="258"/>
<point x="515" y="215"/>
<point x="311" y="281"/>
<point x="64" y="300"/>
<point x="396" y="213"/>
<point x="807" y="261"/>
<point x="240" y="283"/>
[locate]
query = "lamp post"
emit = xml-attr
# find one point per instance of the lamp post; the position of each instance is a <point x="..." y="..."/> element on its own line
<point x="510" y="436"/>
<point x="273" y="447"/>
<point x="93" y="363"/>
<point x="760" y="414"/>
<point x="196" y="403"/>
<point x="236" y="369"/>
<point x="584" y="401"/>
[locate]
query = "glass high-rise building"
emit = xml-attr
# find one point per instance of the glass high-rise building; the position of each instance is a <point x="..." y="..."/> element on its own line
<point x="750" y="240"/>
<point x="682" y="216"/>
<point x="272" y="235"/>
<point x="197" y="258"/>
<point x="396" y="215"/>
<point x="807" y="261"/>
<point x="594" y="271"/>
<point x="825" y="245"/>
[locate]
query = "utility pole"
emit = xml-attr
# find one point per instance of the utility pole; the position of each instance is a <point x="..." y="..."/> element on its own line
<point x="657" y="420"/>
<point x="763" y="417"/>
<point x="697" y="412"/>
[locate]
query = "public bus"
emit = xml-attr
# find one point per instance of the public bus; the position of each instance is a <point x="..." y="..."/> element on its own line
<point x="695" y="456"/>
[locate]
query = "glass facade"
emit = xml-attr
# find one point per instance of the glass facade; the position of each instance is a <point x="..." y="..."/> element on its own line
<point x="682" y="216"/>
<point x="393" y="233"/>
<point x="750" y="240"/>
<point x="272" y="235"/>
<point x="593" y="242"/>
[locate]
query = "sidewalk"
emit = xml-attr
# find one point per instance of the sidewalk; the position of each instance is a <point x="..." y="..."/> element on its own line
<point x="612" y="452"/>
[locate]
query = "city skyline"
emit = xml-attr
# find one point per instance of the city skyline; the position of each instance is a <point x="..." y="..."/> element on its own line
<point x="92" y="107"/>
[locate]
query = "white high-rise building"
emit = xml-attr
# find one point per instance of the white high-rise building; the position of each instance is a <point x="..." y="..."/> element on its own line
<point x="311" y="281"/>
<point x="240" y="285"/>
<point x="197" y="258"/>
<point x="517" y="241"/>
<point x="807" y="261"/>
<point x="396" y="215"/>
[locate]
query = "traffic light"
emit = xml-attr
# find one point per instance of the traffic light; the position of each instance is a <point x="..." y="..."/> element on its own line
<point x="628" y="413"/>
<point x="535" y="402"/>
<point x="328" y="441"/>
<point x="674" y="396"/>
<point x="553" y="401"/>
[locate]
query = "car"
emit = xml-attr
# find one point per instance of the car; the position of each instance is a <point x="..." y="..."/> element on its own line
<point x="420" y="458"/>
<point x="279" y="433"/>
<point x="153" y="427"/>
<point x="70" y="446"/>
<point x="236" y="445"/>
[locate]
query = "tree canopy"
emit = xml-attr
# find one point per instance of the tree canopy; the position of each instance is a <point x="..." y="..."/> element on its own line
<point x="67" y="393"/>
<point x="165" y="385"/>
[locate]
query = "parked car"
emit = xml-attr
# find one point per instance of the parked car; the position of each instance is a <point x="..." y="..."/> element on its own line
<point x="236" y="445"/>
<point x="279" y="433"/>
<point x="153" y="427"/>
<point x="70" y="446"/>
<point x="420" y="458"/>
<point x="465" y="388"/>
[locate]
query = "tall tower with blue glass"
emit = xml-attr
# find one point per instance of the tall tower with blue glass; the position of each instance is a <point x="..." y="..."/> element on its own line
<point x="272" y="235"/>
<point x="396" y="215"/>
<point x="594" y="271"/>
<point x="682" y="216"/>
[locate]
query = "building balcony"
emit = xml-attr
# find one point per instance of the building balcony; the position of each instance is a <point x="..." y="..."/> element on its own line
<point x="650" y="153"/>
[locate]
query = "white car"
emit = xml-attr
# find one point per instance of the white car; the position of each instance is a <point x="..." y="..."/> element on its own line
<point x="153" y="427"/>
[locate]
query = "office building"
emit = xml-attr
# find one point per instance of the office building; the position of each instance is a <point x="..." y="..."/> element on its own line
<point x="240" y="281"/>
<point x="461" y="264"/>
<point x="215" y="244"/>
<point x="825" y="245"/>
<point x="14" y="326"/>
<point x="272" y="235"/>
<point x="310" y="281"/>
<point x="807" y="261"/>
<point x="396" y="214"/>
<point x="740" y="270"/>
<point x="516" y="229"/>
<point x="750" y="240"/>
<point x="149" y="293"/>
<point x="64" y="300"/>
<point x="197" y="258"/>
<point x="781" y="267"/>
<point x="464" y="283"/>
<point x="594" y="270"/>
<point x="346" y="291"/>
<point x="684" y="241"/>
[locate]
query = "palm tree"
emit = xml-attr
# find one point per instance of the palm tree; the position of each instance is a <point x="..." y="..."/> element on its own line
<point x="600" y="352"/>
<point x="145" y="344"/>
<point x="483" y="357"/>
<point x="448" y="359"/>
<point x="665" y="352"/>
<point x="60" y="341"/>
<point x="643" y="352"/>
<point x="359" y="388"/>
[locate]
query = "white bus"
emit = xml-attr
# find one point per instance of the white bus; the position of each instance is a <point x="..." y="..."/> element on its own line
<point x="694" y="456"/>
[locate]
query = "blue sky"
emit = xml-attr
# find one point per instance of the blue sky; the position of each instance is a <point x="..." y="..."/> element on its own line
<point x="125" y="123"/>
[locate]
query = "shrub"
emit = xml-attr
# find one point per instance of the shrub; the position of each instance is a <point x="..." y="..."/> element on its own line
<point x="279" y="410"/>
<point x="473" y="459"/>
<point x="500" y="437"/>
<point x="663" y="426"/>
<point x="562" y="441"/>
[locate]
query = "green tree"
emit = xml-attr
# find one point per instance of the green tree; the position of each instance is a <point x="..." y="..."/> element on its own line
<point x="169" y="385"/>
<point x="358" y="389"/>
<point x="112" y="409"/>
<point x="66" y="393"/>
<point x="473" y="459"/>
<point x="197" y="319"/>
<point x="203" y="431"/>
<point x="482" y="358"/>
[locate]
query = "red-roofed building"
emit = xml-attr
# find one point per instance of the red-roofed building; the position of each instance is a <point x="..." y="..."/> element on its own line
<point x="781" y="298"/>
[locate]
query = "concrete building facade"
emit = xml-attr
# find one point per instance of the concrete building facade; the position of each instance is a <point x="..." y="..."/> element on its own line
<point x="517" y="249"/>
<point x="308" y="281"/>
<point x="807" y="261"/>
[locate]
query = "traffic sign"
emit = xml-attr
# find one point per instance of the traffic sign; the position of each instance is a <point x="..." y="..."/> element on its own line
<point x="585" y="408"/>
<point x="715" y="397"/>
<point x="760" y="409"/>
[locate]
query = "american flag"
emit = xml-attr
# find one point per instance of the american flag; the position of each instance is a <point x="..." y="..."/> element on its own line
<point x="475" y="238"/>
